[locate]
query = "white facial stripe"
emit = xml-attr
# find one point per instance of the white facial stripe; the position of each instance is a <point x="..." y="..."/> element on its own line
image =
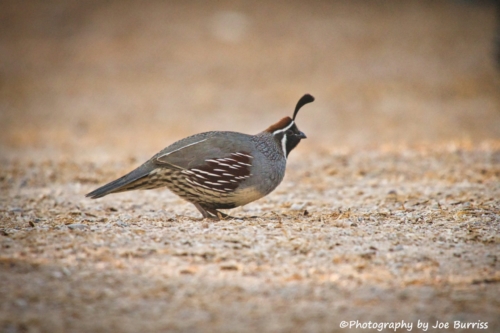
<point x="283" y="139"/>
<point x="284" y="129"/>
<point x="283" y="145"/>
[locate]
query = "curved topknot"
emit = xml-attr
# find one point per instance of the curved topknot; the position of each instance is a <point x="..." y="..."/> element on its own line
<point x="302" y="101"/>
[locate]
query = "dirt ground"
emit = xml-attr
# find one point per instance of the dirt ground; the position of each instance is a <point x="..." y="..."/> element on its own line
<point x="389" y="212"/>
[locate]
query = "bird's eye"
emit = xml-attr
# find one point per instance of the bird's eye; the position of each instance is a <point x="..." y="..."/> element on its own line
<point x="289" y="132"/>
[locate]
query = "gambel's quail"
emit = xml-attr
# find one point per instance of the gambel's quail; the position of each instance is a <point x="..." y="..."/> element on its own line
<point x="218" y="170"/>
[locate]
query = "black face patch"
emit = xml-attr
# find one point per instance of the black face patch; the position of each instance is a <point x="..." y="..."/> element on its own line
<point x="289" y="139"/>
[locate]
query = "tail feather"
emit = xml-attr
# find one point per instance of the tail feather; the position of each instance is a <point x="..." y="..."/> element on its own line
<point x="133" y="180"/>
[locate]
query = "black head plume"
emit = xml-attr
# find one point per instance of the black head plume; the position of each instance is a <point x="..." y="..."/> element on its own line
<point x="302" y="101"/>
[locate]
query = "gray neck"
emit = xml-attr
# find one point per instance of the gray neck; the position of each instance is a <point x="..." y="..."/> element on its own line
<point x="268" y="146"/>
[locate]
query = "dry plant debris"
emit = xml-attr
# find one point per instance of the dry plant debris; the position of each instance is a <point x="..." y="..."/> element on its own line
<point x="370" y="235"/>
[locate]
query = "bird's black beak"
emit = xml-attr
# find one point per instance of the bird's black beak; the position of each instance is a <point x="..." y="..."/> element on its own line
<point x="302" y="135"/>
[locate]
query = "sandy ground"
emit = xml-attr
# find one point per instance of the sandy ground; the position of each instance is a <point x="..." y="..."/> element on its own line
<point x="389" y="211"/>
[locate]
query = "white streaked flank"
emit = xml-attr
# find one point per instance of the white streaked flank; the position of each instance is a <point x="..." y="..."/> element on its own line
<point x="241" y="154"/>
<point x="206" y="173"/>
<point x="171" y="152"/>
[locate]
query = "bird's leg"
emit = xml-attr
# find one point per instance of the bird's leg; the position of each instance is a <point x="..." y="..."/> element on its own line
<point x="205" y="212"/>
<point x="222" y="215"/>
<point x="210" y="213"/>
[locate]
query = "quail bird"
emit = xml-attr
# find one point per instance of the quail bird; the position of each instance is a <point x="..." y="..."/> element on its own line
<point x="217" y="170"/>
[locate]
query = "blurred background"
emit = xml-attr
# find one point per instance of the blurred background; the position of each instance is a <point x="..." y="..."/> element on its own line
<point x="130" y="77"/>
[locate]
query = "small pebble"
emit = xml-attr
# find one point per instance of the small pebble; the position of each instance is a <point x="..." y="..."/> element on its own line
<point x="122" y="224"/>
<point x="397" y="248"/>
<point x="229" y="267"/>
<point x="57" y="274"/>
<point x="297" y="206"/>
<point x="21" y="302"/>
<point x="77" y="226"/>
